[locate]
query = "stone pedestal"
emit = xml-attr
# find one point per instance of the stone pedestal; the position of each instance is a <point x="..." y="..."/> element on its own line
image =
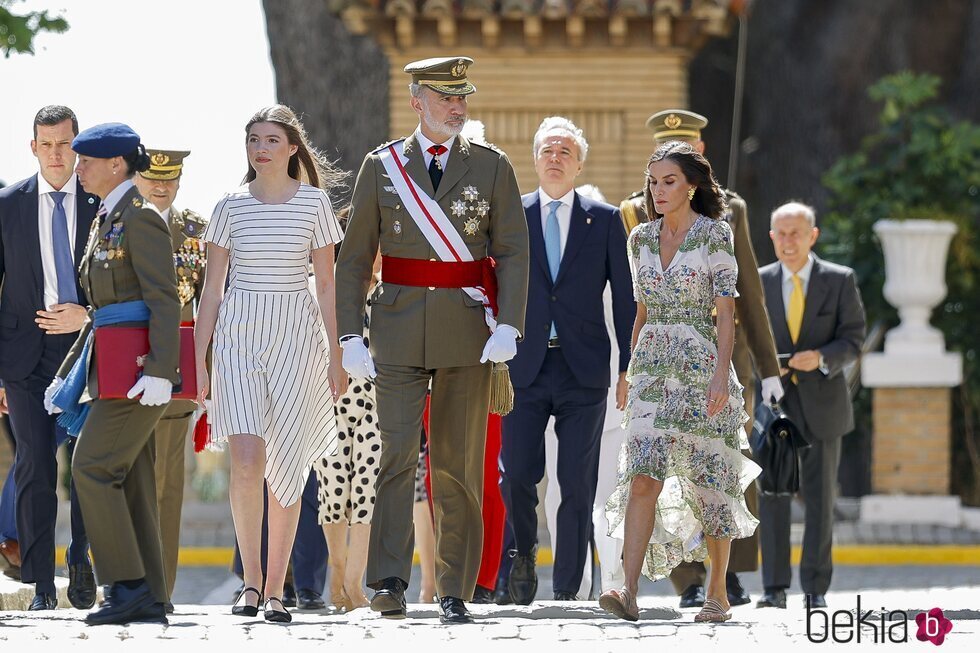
<point x="911" y="442"/>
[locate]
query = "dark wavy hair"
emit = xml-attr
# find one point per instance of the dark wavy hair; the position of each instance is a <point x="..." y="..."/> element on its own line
<point x="308" y="165"/>
<point x="136" y="161"/>
<point x="709" y="199"/>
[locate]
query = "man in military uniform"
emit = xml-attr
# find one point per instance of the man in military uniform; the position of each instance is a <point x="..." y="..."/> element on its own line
<point x="159" y="184"/>
<point x="753" y="346"/>
<point x="443" y="212"/>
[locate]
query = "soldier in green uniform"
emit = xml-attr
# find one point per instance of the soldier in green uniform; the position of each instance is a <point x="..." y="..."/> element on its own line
<point x="442" y="210"/>
<point x="127" y="273"/>
<point x="159" y="184"/>
<point x="754" y="348"/>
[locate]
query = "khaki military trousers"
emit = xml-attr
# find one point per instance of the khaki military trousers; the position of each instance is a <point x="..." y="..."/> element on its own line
<point x="170" y="438"/>
<point x="745" y="552"/>
<point x="113" y="472"/>
<point x="457" y="438"/>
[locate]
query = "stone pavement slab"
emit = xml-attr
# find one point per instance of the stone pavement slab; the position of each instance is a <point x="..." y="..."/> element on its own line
<point x="542" y="626"/>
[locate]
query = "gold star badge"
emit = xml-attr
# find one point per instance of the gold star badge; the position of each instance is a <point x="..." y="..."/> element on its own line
<point x="458" y="208"/>
<point x="470" y="193"/>
<point x="471" y="226"/>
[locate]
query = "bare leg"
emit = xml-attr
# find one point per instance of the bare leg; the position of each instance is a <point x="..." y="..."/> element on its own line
<point x="718" y="551"/>
<point x="245" y="491"/>
<point x="641" y="513"/>
<point x="336" y="535"/>
<point x="282" y="531"/>
<point x="356" y="563"/>
<point x="425" y="543"/>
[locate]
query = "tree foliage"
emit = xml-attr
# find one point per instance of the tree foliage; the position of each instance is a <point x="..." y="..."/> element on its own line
<point x="919" y="164"/>
<point x="17" y="30"/>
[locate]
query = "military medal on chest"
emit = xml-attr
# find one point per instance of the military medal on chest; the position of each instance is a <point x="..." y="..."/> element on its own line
<point x="472" y="208"/>
<point x="189" y="260"/>
<point x="111" y="247"/>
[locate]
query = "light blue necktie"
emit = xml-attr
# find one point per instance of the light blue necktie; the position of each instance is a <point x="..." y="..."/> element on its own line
<point x="552" y="245"/>
<point x="63" y="262"/>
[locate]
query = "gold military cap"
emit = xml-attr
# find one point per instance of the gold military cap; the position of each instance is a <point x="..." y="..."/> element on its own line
<point x="446" y="75"/>
<point x="164" y="164"/>
<point x="676" y="123"/>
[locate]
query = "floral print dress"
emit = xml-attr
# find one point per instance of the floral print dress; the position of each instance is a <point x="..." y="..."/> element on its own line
<point x="669" y="434"/>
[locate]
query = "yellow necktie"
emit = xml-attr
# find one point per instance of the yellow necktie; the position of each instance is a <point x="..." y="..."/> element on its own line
<point x="794" y="318"/>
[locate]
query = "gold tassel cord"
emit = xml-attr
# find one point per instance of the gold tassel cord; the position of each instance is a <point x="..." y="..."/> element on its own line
<point x="501" y="391"/>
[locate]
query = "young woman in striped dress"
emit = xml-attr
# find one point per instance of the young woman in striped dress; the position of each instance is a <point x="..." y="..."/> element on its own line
<point x="276" y="360"/>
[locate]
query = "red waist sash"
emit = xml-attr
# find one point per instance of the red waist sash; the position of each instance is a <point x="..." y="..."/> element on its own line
<point x="442" y="274"/>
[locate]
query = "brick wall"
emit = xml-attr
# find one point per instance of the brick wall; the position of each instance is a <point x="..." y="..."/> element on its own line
<point x="911" y="441"/>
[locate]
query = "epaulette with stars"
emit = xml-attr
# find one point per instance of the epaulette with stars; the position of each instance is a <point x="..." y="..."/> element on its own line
<point x="386" y="145"/>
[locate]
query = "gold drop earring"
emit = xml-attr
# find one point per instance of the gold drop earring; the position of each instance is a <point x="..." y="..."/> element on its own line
<point x="690" y="192"/>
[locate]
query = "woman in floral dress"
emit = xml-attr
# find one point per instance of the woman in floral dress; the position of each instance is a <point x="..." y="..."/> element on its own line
<point x="681" y="474"/>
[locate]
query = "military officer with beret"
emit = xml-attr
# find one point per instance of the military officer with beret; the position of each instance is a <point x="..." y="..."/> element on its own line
<point x="754" y="345"/>
<point x="127" y="273"/>
<point x="447" y="216"/>
<point x="159" y="184"/>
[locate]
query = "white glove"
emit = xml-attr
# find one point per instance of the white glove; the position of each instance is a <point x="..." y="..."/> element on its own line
<point x="772" y="389"/>
<point x="156" y="391"/>
<point x="49" y="395"/>
<point x="501" y="345"/>
<point x="357" y="359"/>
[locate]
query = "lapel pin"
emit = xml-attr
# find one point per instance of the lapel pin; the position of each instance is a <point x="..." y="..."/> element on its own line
<point x="588" y="221"/>
<point x="91" y="200"/>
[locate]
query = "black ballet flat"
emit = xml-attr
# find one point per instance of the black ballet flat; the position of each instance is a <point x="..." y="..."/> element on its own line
<point x="277" y="616"/>
<point x="246" y="610"/>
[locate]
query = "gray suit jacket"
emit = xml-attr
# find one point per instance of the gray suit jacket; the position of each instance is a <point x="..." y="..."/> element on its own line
<point x="834" y="325"/>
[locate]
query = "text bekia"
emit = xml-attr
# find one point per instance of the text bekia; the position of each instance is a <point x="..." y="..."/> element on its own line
<point x="844" y="626"/>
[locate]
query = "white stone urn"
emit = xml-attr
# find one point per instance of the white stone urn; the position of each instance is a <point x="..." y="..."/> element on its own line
<point x="915" y="281"/>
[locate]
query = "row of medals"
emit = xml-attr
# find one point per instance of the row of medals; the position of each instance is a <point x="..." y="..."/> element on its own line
<point x="113" y="245"/>
<point x="189" y="261"/>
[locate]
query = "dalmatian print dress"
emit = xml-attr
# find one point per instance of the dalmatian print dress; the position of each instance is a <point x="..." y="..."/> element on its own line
<point x="347" y="478"/>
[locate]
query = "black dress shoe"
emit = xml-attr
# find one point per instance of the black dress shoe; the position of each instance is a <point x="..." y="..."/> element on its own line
<point x="242" y="608"/>
<point x="737" y="595"/>
<point x="523" y="581"/>
<point x="816" y="600"/>
<point x="81" y="585"/>
<point x="309" y="600"/>
<point x="288" y="595"/>
<point x="124" y="605"/>
<point x="389" y="599"/>
<point x="454" y="611"/>
<point x="502" y="596"/>
<point x="168" y="607"/>
<point x="693" y="597"/>
<point x="44" y="601"/>
<point x="565" y="596"/>
<point x="772" y="598"/>
<point x="273" y="614"/>
<point x="482" y="595"/>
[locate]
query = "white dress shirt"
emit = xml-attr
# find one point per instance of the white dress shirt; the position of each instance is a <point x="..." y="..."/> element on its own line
<point x="564" y="214"/>
<point x="425" y="144"/>
<point x="45" y="213"/>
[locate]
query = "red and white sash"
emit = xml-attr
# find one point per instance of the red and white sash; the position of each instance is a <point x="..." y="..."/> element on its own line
<point x="440" y="233"/>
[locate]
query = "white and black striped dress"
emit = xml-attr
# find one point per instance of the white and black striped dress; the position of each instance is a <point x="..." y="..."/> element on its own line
<point x="270" y="348"/>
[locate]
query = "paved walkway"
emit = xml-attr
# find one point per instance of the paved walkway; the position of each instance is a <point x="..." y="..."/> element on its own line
<point x="542" y="626"/>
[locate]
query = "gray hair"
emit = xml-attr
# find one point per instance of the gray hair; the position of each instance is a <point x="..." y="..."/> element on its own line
<point x="560" y="123"/>
<point x="792" y="209"/>
<point x="415" y="89"/>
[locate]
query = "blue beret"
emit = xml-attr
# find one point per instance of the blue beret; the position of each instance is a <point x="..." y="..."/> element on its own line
<point x="106" y="141"/>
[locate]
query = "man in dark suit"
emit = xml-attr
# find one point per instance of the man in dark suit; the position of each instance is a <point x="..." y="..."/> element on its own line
<point x="44" y="225"/>
<point x="562" y="366"/>
<point x="818" y="321"/>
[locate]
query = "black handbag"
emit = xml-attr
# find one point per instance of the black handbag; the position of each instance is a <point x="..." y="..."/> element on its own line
<point x="775" y="442"/>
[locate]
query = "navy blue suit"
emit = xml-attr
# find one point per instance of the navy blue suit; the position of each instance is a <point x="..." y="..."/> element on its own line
<point x="29" y="359"/>
<point x="570" y="381"/>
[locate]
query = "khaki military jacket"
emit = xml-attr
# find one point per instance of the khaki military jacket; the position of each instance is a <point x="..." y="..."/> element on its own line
<point x="129" y="257"/>
<point x="186" y="229"/>
<point x="442" y="327"/>
<point x="753" y="333"/>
